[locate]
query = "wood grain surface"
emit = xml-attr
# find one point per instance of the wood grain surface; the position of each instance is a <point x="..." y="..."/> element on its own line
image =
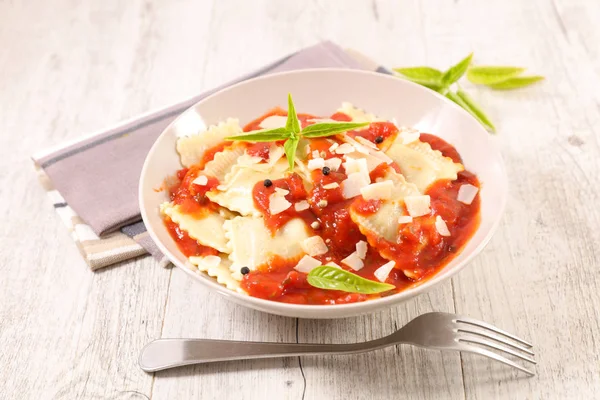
<point x="72" y="67"/>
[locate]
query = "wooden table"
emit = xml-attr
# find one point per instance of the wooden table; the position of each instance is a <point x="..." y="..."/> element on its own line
<point x="71" y="67"/>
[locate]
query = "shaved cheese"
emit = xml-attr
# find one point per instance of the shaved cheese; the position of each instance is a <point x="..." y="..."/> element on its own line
<point x="307" y="264"/>
<point x="278" y="204"/>
<point x="281" y="191"/>
<point x="248" y="160"/>
<point x="366" y="142"/>
<point x="405" y="219"/>
<point x="417" y="205"/>
<point x="356" y="165"/>
<point x="316" y="163"/>
<point x="409" y="135"/>
<point x="302" y="205"/>
<point x="332" y="185"/>
<point x="333" y="163"/>
<point x="383" y="272"/>
<point x="354" y="261"/>
<point x="334" y="146"/>
<point x="356" y="181"/>
<point x="441" y="227"/>
<point x="467" y="193"/>
<point x="361" y="249"/>
<point x="345" y="148"/>
<point x="382" y="156"/>
<point x="314" y="246"/>
<point x="380" y="190"/>
<point x="315" y="154"/>
<point x="202" y="180"/>
<point x="275" y="153"/>
<point x="272" y="122"/>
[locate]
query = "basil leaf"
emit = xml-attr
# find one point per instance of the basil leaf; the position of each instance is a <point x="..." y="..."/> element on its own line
<point x="289" y="147"/>
<point x="455" y="72"/>
<point x="470" y="106"/>
<point x="516" y="83"/>
<point x="486" y="75"/>
<point x="330" y="128"/>
<point x="292" y="124"/>
<point x="332" y="278"/>
<point x="425" y="76"/>
<point x="265" y="135"/>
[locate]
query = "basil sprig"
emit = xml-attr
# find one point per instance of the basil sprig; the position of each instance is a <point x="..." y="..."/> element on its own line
<point x="293" y="132"/>
<point x="446" y="83"/>
<point x="332" y="278"/>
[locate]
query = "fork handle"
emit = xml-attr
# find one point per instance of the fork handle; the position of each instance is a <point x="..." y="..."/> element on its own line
<point x="169" y="353"/>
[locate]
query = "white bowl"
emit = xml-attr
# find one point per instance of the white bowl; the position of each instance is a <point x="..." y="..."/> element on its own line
<point x="320" y="92"/>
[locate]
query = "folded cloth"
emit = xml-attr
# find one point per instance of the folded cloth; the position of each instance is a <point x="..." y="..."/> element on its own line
<point x="93" y="182"/>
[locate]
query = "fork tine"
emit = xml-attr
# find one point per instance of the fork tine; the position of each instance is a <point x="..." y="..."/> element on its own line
<point x="494" y="356"/>
<point x="497" y="347"/>
<point x="482" y="324"/>
<point x="497" y="339"/>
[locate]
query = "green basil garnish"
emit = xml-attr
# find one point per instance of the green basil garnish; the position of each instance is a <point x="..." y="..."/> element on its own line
<point x="332" y="278"/>
<point x="293" y="132"/>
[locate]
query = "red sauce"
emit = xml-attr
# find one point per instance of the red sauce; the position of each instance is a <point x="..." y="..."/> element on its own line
<point x="340" y="116"/>
<point x="297" y="192"/>
<point x="440" y="144"/>
<point x="375" y="130"/>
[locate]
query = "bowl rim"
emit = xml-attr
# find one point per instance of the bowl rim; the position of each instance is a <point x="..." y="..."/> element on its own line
<point x="346" y="309"/>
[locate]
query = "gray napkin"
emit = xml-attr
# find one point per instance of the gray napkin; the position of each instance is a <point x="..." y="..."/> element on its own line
<point x="93" y="182"/>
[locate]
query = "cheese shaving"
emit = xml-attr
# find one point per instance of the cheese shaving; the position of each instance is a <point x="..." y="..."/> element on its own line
<point x="345" y="148"/>
<point x="405" y="219"/>
<point x="354" y="261"/>
<point x="333" y="163"/>
<point x="361" y="249"/>
<point x="467" y="193"/>
<point x="383" y="272"/>
<point x="378" y="191"/>
<point x="278" y="204"/>
<point x="417" y="205"/>
<point x="301" y="205"/>
<point x="200" y="180"/>
<point x="332" y="185"/>
<point x="307" y="264"/>
<point x="441" y="227"/>
<point x="356" y="181"/>
<point x="314" y="246"/>
<point x="316" y="163"/>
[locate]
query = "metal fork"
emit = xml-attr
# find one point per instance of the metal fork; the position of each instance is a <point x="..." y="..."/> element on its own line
<point x="435" y="330"/>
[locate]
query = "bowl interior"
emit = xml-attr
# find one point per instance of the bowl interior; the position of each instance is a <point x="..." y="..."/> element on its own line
<point x="320" y="92"/>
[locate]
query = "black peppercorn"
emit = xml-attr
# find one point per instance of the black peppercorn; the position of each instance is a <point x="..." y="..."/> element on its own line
<point x="379" y="139"/>
<point x="267" y="183"/>
<point x="326" y="170"/>
<point x="245" y="270"/>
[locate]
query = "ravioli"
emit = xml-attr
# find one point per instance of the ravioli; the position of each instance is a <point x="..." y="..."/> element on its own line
<point x="223" y="161"/>
<point x="235" y="192"/>
<point x="206" y="229"/>
<point x="357" y="115"/>
<point x="384" y="222"/>
<point x="252" y="245"/>
<point x="220" y="272"/>
<point x="191" y="149"/>
<point x="422" y="165"/>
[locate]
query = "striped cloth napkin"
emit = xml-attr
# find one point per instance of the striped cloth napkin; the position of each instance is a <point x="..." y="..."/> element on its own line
<point x="92" y="182"/>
